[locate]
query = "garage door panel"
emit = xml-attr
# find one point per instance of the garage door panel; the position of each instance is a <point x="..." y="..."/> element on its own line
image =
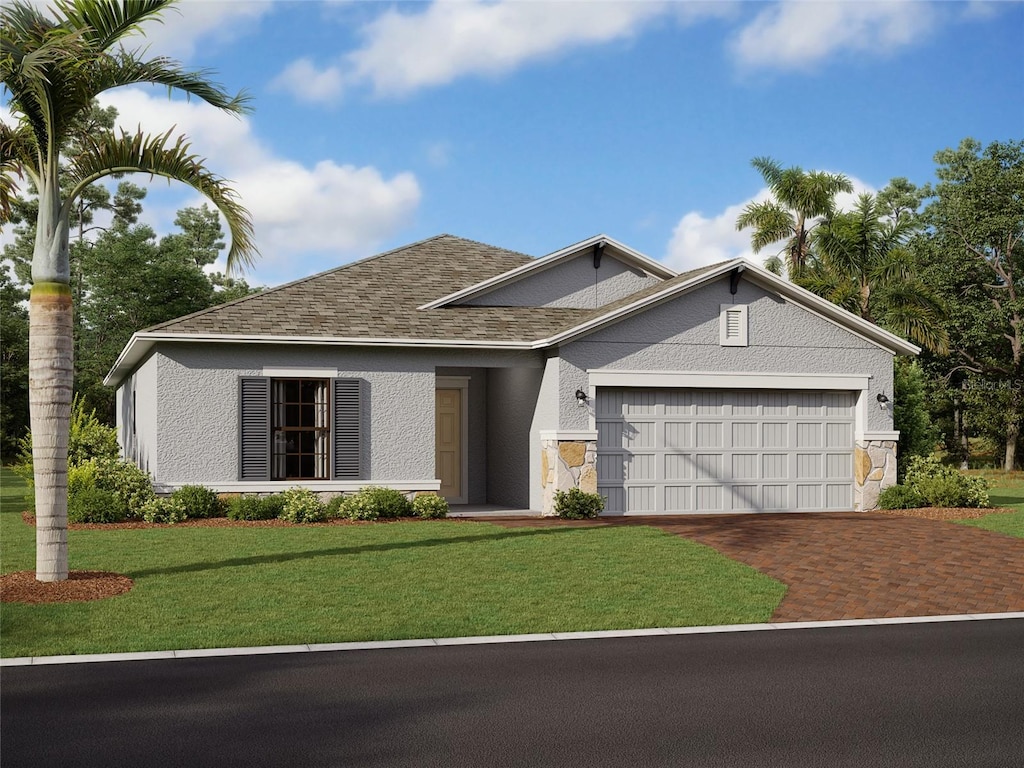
<point x="707" y="451"/>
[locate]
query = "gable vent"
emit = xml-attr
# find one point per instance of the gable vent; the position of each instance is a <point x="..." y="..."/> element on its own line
<point x="733" y="325"/>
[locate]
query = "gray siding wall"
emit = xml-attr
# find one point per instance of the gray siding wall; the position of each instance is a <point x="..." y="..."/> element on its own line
<point x="545" y="416"/>
<point x="512" y="396"/>
<point x="573" y="283"/>
<point x="683" y="335"/>
<point x="138" y="393"/>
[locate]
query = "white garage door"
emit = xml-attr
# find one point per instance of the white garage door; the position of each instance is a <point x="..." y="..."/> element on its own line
<point x="684" y="450"/>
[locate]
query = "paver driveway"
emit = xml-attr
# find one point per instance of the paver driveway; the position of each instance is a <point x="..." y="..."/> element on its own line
<point x="845" y="565"/>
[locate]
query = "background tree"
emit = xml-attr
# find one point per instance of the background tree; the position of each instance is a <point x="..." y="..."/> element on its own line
<point x="800" y="201"/>
<point x="975" y="256"/>
<point x="53" y="67"/>
<point x="13" y="365"/>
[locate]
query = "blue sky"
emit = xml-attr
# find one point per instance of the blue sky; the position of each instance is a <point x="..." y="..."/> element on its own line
<point x="533" y="125"/>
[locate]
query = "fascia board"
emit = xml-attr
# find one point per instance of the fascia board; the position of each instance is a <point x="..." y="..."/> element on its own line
<point x="625" y="253"/>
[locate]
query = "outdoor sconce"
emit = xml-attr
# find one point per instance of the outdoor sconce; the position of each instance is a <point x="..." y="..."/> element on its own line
<point x="581" y="398"/>
<point x="883" y="401"/>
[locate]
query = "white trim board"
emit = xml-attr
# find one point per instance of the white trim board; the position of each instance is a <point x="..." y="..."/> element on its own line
<point x="276" y="486"/>
<point x="733" y="380"/>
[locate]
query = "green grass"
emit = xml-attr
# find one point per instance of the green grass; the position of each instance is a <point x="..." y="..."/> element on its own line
<point x="1007" y="491"/>
<point x="217" y="587"/>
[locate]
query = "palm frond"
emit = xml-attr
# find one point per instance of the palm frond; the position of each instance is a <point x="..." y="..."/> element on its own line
<point x="770" y="221"/>
<point x="770" y="170"/>
<point x="106" y="22"/>
<point x="17" y="158"/>
<point x="107" y="154"/>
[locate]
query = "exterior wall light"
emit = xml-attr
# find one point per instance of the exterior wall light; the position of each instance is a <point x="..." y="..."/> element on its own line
<point x="883" y="401"/>
<point x="581" y="398"/>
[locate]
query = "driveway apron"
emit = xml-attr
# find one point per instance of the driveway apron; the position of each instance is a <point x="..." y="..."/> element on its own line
<point x="846" y="565"/>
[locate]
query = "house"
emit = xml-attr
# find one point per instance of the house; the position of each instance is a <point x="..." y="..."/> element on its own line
<point x="488" y="376"/>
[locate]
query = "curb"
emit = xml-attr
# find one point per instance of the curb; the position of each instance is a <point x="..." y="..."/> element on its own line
<point x="26" y="661"/>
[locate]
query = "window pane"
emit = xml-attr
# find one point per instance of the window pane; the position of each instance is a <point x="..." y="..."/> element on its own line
<point x="308" y="416"/>
<point x="309" y="391"/>
<point x="307" y="443"/>
<point x="291" y="418"/>
<point x="291" y="390"/>
<point x="293" y="466"/>
<point x="308" y="466"/>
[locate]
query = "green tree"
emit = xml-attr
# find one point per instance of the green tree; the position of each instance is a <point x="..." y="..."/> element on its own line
<point x="860" y="261"/>
<point x="53" y="65"/>
<point x="976" y="255"/>
<point x="800" y="201"/>
<point x="918" y="435"/>
<point x="13" y="365"/>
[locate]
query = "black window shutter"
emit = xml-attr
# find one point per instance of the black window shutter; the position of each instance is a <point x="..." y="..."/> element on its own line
<point x="345" y="433"/>
<point x="254" y="428"/>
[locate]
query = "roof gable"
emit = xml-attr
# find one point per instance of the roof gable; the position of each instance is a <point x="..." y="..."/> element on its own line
<point x="596" y="248"/>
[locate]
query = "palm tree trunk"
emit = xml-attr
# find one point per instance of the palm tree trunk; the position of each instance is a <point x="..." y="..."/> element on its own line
<point x="51" y="376"/>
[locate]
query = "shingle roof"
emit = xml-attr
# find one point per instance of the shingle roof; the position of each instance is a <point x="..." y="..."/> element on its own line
<point x="377" y="298"/>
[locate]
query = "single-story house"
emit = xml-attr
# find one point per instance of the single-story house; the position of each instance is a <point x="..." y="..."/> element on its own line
<point x="491" y="377"/>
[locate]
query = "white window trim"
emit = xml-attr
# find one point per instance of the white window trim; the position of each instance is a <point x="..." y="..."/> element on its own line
<point x="460" y="383"/>
<point x="300" y="373"/>
<point x="276" y="486"/>
<point x="723" y="325"/>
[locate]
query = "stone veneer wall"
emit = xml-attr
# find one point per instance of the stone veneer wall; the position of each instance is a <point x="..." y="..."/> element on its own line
<point x="566" y="464"/>
<point x="874" y="470"/>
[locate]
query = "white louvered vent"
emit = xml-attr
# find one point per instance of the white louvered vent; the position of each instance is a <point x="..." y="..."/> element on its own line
<point x="733" y="325"/>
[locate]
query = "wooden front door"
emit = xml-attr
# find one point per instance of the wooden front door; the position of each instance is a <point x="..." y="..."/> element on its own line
<point x="448" y="442"/>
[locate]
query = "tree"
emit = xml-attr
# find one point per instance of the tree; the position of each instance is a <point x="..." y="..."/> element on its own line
<point x="53" y="67"/>
<point x="13" y="365"/>
<point x="860" y="261"/>
<point x="976" y="215"/>
<point x="800" y="199"/>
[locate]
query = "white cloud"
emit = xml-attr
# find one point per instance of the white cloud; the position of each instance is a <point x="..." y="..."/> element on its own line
<point x="798" y="33"/>
<point x="699" y="240"/>
<point x="324" y="214"/>
<point x="302" y="79"/>
<point x="182" y="28"/>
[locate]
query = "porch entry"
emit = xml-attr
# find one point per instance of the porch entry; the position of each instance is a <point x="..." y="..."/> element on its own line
<point x="449" y="445"/>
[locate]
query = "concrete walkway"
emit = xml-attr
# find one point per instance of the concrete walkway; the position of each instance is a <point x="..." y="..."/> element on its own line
<point x="848" y="565"/>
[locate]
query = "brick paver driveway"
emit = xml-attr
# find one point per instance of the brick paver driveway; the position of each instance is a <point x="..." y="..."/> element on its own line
<point x="859" y="565"/>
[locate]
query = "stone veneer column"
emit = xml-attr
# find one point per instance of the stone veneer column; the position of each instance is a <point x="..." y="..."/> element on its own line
<point x="567" y="460"/>
<point x="874" y="470"/>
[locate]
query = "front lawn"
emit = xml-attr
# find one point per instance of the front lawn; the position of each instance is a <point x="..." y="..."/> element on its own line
<point x="1007" y="491"/>
<point x="221" y="587"/>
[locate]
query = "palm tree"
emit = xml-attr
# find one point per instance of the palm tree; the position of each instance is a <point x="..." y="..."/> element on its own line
<point x="799" y="199"/>
<point x="52" y="68"/>
<point x="859" y="262"/>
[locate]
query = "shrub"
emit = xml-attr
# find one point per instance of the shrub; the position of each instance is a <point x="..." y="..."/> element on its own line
<point x="900" y="497"/>
<point x="575" y="504"/>
<point x="336" y="507"/>
<point x="126" y="480"/>
<point x="81" y="478"/>
<point x="166" y="510"/>
<point x="198" y="501"/>
<point x="88" y="437"/>
<point x="254" y="508"/>
<point x="301" y="505"/>
<point x="95" y="505"/>
<point x="943" y="486"/>
<point x="372" y="503"/>
<point x="429" y="507"/>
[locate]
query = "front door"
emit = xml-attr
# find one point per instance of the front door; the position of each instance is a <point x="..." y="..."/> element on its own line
<point x="448" y="442"/>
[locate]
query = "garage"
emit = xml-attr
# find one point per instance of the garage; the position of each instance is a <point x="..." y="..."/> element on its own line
<point x="677" y="450"/>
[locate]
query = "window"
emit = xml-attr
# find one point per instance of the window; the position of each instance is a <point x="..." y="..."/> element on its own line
<point x="300" y="429"/>
<point x="301" y="432"/>
<point x="733" y="325"/>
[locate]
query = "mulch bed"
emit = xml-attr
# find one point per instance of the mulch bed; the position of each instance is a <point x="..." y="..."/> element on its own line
<point x="219" y="522"/>
<point x="944" y="513"/>
<point x="22" y="587"/>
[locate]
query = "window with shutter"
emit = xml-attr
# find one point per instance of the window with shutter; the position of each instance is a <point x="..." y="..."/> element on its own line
<point x="300" y="429"/>
<point x="733" y="325"/>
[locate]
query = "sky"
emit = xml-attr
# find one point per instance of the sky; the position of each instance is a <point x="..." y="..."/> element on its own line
<point x="534" y="125"/>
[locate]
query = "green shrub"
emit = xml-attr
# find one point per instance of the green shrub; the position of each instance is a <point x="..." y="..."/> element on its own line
<point x="198" y="501"/>
<point x="301" y="505"/>
<point x="254" y="508"/>
<point x="81" y="478"/>
<point x="336" y="507"/>
<point x="943" y="486"/>
<point x="88" y="437"/>
<point x="95" y="505"/>
<point x="165" y="510"/>
<point x="125" y="479"/>
<point x="575" y="504"/>
<point x="429" y="506"/>
<point x="372" y="503"/>
<point x="900" y="497"/>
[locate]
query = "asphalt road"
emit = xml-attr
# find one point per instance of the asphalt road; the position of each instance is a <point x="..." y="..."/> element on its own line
<point x="948" y="694"/>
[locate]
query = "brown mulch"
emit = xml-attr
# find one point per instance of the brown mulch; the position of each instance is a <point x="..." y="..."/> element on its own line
<point x="22" y="587"/>
<point x="944" y="513"/>
<point x="217" y="522"/>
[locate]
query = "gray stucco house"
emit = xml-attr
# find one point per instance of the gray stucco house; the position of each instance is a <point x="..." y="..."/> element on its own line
<point x="492" y="377"/>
